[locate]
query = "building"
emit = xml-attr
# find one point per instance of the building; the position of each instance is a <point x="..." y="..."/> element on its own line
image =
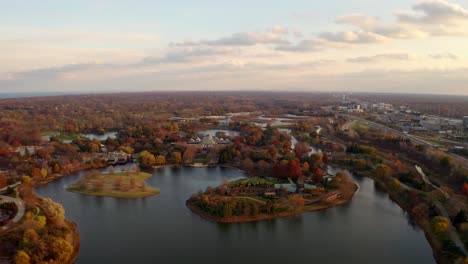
<point x="465" y="121"/>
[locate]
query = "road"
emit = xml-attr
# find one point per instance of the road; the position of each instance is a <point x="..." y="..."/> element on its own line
<point x="20" y="213"/>
<point x="427" y="181"/>
<point x="347" y="125"/>
<point x="404" y="135"/>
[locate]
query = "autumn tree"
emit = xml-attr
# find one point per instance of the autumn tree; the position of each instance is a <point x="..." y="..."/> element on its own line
<point x="176" y="157"/>
<point x="247" y="164"/>
<point x="36" y="173"/>
<point x="189" y="154"/>
<point x="3" y="181"/>
<point x="160" y="160"/>
<point x="21" y="257"/>
<point x="53" y="210"/>
<point x="126" y="149"/>
<point x="383" y="171"/>
<point x="146" y="159"/>
<point x="41" y="221"/>
<point x="420" y="211"/>
<point x="26" y="179"/>
<point x="440" y="224"/>
<point x="61" y="250"/>
<point x="44" y="172"/>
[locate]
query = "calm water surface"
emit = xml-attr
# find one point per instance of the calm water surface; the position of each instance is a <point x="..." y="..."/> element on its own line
<point x="160" y="229"/>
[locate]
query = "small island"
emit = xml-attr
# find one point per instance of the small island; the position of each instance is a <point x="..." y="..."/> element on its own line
<point x="254" y="199"/>
<point x="129" y="183"/>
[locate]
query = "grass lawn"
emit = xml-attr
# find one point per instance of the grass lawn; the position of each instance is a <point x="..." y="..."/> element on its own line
<point x="121" y="185"/>
<point x="359" y="126"/>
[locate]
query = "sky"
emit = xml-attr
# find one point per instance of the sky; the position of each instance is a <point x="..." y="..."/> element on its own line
<point x="400" y="46"/>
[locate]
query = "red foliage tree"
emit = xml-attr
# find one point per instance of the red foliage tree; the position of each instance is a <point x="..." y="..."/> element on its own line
<point x="318" y="174"/>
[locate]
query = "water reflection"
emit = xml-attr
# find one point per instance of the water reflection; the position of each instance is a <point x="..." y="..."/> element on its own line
<point x="371" y="229"/>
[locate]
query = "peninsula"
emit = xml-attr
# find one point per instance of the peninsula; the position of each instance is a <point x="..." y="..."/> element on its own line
<point x="254" y="199"/>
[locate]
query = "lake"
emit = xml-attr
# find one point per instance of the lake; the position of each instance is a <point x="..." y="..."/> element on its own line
<point x="161" y="229"/>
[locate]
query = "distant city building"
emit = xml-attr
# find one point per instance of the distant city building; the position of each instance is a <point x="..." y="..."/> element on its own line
<point x="465" y="121"/>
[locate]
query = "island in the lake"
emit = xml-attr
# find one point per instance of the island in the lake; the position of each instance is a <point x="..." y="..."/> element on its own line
<point x="125" y="184"/>
<point x="254" y="199"/>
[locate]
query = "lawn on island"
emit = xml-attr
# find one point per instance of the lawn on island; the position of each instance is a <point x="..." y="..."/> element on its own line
<point x="117" y="184"/>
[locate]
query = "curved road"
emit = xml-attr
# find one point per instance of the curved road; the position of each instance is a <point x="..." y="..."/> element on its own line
<point x="18" y="215"/>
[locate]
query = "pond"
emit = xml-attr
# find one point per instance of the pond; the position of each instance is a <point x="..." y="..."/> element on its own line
<point x="212" y="132"/>
<point x="100" y="137"/>
<point x="161" y="229"/>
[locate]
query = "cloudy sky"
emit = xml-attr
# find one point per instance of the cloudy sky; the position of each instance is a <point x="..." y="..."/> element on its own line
<point x="304" y="45"/>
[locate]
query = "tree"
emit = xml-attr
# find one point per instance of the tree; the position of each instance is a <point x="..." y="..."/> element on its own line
<point x="3" y="181"/>
<point x="44" y="172"/>
<point x="30" y="236"/>
<point x="41" y="221"/>
<point x="440" y="224"/>
<point x="318" y="174"/>
<point x="297" y="200"/>
<point x="22" y="257"/>
<point x="118" y="182"/>
<point x="176" y="157"/>
<point x="126" y="149"/>
<point x="227" y="210"/>
<point x="445" y="164"/>
<point x="132" y="182"/>
<point x="395" y="184"/>
<point x="36" y="173"/>
<point x="26" y="179"/>
<point x="160" y="160"/>
<point x="383" y="171"/>
<point x="420" y="211"/>
<point x="146" y="159"/>
<point x="61" y="250"/>
<point x="57" y="168"/>
<point x="189" y="154"/>
<point x="247" y="164"/>
<point x="52" y="209"/>
<point x="306" y="165"/>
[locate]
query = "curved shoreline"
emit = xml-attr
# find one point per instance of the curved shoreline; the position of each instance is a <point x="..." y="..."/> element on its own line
<point x="126" y="196"/>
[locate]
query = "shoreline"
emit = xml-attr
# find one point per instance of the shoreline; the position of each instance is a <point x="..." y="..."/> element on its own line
<point x="157" y="192"/>
<point x="234" y="220"/>
<point x="304" y="209"/>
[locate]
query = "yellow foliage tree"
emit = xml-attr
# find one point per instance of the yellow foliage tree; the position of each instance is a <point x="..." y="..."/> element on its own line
<point x="160" y="160"/>
<point x="146" y="159"/>
<point x="176" y="157"/>
<point x="22" y="257"/>
<point x="41" y="221"/>
<point x="440" y="224"/>
<point x="61" y="250"/>
<point x="26" y="179"/>
<point x="44" y="172"/>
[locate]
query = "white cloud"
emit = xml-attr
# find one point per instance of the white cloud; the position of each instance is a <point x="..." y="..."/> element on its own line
<point x="380" y="58"/>
<point x="276" y="35"/>
<point x="442" y="56"/>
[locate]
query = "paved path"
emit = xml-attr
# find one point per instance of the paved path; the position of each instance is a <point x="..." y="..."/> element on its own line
<point x="453" y="233"/>
<point x="18" y="215"/>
